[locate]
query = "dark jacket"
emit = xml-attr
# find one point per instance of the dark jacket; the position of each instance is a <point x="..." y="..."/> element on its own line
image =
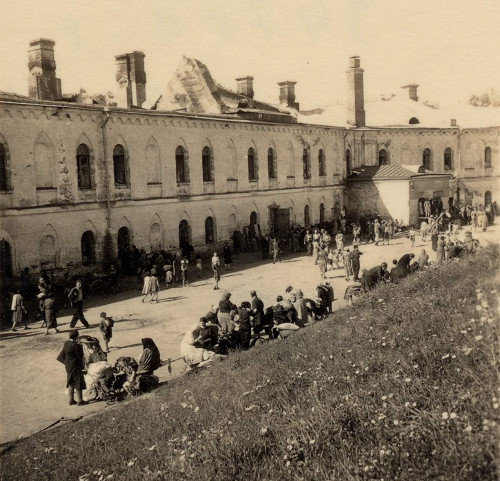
<point x="71" y="356"/>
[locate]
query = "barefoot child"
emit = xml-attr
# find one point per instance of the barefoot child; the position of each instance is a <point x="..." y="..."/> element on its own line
<point x="106" y="328"/>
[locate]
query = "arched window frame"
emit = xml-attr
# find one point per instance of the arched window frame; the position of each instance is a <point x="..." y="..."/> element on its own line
<point x="120" y="165"/>
<point x="187" y="230"/>
<point x="207" y="163"/>
<point x="272" y="169"/>
<point x="321" y="163"/>
<point x="348" y="161"/>
<point x="88" y="248"/>
<point x="383" y="157"/>
<point x="448" y="159"/>
<point x="487" y="157"/>
<point x="84" y="167"/>
<point x="4" y="169"/>
<point x="306" y="163"/>
<point x="210" y="236"/>
<point x="307" y="215"/>
<point x="181" y="165"/>
<point x="427" y="158"/>
<point x="322" y="213"/>
<point x="253" y="170"/>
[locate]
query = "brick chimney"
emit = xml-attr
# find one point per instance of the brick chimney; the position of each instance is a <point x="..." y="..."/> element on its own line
<point x="412" y="91"/>
<point x="43" y="84"/>
<point x="355" y="94"/>
<point x="287" y="94"/>
<point x="245" y="86"/>
<point x="131" y="79"/>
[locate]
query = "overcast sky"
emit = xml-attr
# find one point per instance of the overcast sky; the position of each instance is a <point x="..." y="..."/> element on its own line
<point x="450" y="47"/>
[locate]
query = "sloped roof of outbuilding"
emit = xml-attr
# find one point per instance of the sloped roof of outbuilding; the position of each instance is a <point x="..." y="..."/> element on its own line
<point x="390" y="172"/>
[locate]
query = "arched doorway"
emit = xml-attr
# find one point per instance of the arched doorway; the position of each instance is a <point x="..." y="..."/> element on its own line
<point x="184" y="233"/>
<point x="123" y="240"/>
<point x="5" y="259"/>
<point x="307" y="216"/>
<point x="209" y="230"/>
<point x="254" y="218"/>
<point x="88" y="248"/>
<point x="487" y="198"/>
<point x="322" y="213"/>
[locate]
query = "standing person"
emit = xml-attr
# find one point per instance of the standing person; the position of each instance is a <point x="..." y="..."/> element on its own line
<point x="19" y="313"/>
<point x="146" y="288"/>
<point x="376" y="230"/>
<point x="71" y="356"/>
<point x="331" y="296"/>
<point x="185" y="272"/>
<point x="264" y="245"/>
<point x="169" y="277"/>
<point x="322" y="258"/>
<point x="154" y="286"/>
<point x="276" y="250"/>
<point x="216" y="270"/>
<point x="199" y="266"/>
<point x="423" y="259"/>
<point x="434" y="231"/>
<point x="51" y="311"/>
<point x="76" y="298"/>
<point x="224" y="315"/>
<point x="257" y="310"/>
<point x="308" y="243"/>
<point x="355" y="261"/>
<point x="347" y="264"/>
<point x="244" y="320"/>
<point x="356" y="232"/>
<point x="315" y="245"/>
<point x="387" y="233"/>
<point x="440" y="249"/>
<point x="411" y="235"/>
<point x="339" y="240"/>
<point x="424" y="230"/>
<point x="226" y="254"/>
<point x="106" y="329"/>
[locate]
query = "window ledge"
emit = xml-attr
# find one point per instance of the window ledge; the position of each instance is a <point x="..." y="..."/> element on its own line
<point x="180" y="184"/>
<point x="47" y="188"/>
<point x="122" y="186"/>
<point x="86" y="189"/>
<point x="8" y="191"/>
<point x="468" y="168"/>
<point x="488" y="167"/>
<point x="290" y="176"/>
<point x="209" y="181"/>
<point x="230" y="179"/>
<point x="154" y="183"/>
<point x="254" y="181"/>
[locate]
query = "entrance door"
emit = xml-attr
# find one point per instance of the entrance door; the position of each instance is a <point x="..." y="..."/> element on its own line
<point x="281" y="221"/>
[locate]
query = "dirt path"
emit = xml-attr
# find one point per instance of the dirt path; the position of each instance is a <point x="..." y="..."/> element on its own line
<point x="32" y="381"/>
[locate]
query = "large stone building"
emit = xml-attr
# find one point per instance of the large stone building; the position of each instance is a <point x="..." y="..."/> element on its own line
<point x="205" y="161"/>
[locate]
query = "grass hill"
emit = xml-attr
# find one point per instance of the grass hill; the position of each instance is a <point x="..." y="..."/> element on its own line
<point x="404" y="386"/>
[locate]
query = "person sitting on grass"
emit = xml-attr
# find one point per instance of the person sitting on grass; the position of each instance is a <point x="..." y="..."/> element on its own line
<point x="204" y="336"/>
<point x="405" y="261"/>
<point x="398" y="271"/>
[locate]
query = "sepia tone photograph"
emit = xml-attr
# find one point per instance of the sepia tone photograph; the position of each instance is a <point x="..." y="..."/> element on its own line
<point x="249" y="240"/>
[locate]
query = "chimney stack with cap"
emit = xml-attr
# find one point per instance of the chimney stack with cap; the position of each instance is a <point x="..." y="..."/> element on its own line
<point x="287" y="94"/>
<point x="355" y="94"/>
<point x="131" y="79"/>
<point x="245" y="86"/>
<point x="43" y="84"/>
<point x="412" y="91"/>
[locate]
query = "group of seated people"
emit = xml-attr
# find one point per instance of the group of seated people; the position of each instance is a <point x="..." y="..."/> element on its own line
<point x="227" y="326"/>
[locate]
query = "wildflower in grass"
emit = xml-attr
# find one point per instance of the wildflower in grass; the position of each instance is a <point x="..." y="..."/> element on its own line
<point x="453" y="415"/>
<point x="468" y="429"/>
<point x="407" y="379"/>
<point x="478" y="338"/>
<point x="445" y="415"/>
<point x="446" y="356"/>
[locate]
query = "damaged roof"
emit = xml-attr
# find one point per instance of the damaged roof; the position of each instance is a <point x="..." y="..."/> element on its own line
<point x="390" y="172"/>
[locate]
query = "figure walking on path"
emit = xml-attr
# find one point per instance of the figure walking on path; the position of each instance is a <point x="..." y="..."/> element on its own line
<point x="19" y="313"/>
<point x="51" y="312"/>
<point x="276" y="251"/>
<point x="226" y="254"/>
<point x="216" y="270"/>
<point x="146" y="288"/>
<point x="106" y="328"/>
<point x="76" y="298"/>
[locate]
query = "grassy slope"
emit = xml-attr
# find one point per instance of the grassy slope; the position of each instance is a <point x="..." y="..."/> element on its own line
<point x="402" y="387"/>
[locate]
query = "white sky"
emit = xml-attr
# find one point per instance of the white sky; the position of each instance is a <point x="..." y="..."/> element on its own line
<point x="450" y="47"/>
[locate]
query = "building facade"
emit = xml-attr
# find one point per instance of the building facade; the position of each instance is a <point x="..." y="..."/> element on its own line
<point x="78" y="177"/>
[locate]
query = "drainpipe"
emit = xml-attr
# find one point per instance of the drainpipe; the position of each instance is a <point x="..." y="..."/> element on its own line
<point x="106" y="169"/>
<point x="459" y="158"/>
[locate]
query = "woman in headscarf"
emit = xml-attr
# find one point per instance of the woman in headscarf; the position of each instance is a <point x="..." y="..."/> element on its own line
<point x="71" y="356"/>
<point x="224" y="315"/>
<point x="51" y="311"/>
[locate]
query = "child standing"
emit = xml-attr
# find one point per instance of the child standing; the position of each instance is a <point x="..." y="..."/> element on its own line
<point x="216" y="270"/>
<point x="106" y="329"/>
<point x="412" y="234"/>
<point x="184" y="272"/>
<point x="169" y="277"/>
<point x="146" y="288"/>
<point x="154" y="286"/>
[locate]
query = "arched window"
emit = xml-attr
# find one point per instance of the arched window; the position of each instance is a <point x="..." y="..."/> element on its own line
<point x="271" y="164"/>
<point x="307" y="217"/>
<point x="414" y="121"/>
<point x="322" y="213"/>
<point x="253" y="173"/>
<point x="448" y="159"/>
<point x="427" y="159"/>
<point x="184" y="233"/>
<point x="306" y="162"/>
<point x="48" y="252"/>
<point x="181" y="166"/>
<point x="120" y="165"/>
<point x="487" y="157"/>
<point x="207" y="161"/>
<point x="254" y="218"/>
<point x="348" y="165"/>
<point x="4" y="183"/>
<point x="83" y="167"/>
<point x="44" y="163"/>
<point x="88" y="248"/>
<point x="5" y="259"/>
<point x="487" y="198"/>
<point x="123" y="240"/>
<point x="209" y="230"/>
<point x="383" y="158"/>
<point x="321" y="163"/>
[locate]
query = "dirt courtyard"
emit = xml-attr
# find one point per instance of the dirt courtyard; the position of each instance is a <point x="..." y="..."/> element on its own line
<point x="32" y="382"/>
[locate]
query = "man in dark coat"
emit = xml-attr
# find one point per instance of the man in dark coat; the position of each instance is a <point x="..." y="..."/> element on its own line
<point x="375" y="275"/>
<point x="76" y="297"/>
<point x="355" y="264"/>
<point x="405" y="261"/>
<point x="72" y="358"/>
<point x="257" y="310"/>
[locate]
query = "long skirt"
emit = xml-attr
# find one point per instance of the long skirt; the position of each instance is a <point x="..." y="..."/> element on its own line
<point x="225" y="321"/>
<point x="434" y="240"/>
